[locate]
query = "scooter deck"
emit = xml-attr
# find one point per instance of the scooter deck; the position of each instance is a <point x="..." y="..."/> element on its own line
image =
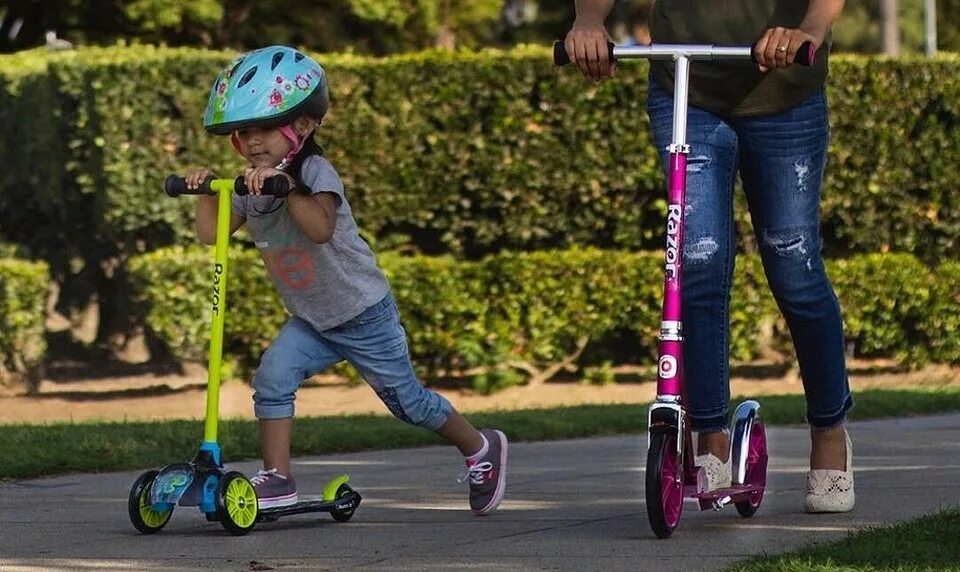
<point x="345" y="504"/>
<point x="735" y="493"/>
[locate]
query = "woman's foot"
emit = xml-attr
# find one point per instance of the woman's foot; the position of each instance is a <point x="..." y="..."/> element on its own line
<point x="830" y="479"/>
<point x="713" y="460"/>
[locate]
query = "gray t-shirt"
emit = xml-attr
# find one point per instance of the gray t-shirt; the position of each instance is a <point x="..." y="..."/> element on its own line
<point x="324" y="284"/>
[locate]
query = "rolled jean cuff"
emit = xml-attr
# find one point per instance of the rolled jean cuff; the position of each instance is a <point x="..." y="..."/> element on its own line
<point x="710" y="424"/>
<point x="833" y="419"/>
<point x="283" y="411"/>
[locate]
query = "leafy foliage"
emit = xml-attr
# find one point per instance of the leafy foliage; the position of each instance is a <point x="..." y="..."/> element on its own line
<point x="526" y="316"/>
<point x="23" y="300"/>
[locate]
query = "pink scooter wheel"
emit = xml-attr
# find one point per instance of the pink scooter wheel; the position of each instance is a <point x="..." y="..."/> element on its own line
<point x="664" y="484"/>
<point x="756" y="470"/>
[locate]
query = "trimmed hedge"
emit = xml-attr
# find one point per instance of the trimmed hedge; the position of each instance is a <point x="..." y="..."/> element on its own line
<point x="24" y="286"/>
<point x="466" y="153"/>
<point x="524" y="316"/>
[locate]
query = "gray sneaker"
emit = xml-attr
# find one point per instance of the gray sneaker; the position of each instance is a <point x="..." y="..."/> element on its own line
<point x="488" y="475"/>
<point x="273" y="489"/>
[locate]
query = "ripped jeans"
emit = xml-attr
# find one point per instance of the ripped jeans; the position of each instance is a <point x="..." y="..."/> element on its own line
<point x="780" y="159"/>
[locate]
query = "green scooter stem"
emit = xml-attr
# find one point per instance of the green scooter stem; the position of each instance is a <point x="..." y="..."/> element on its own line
<point x="224" y="189"/>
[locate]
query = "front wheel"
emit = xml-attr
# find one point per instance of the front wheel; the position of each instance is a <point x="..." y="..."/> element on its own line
<point x="141" y="511"/>
<point x="236" y="503"/>
<point x="664" y="484"/>
<point x="756" y="474"/>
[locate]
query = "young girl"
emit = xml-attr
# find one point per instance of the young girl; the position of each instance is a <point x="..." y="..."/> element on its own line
<point x="270" y="101"/>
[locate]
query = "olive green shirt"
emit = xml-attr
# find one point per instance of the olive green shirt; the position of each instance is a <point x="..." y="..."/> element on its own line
<point x="734" y="89"/>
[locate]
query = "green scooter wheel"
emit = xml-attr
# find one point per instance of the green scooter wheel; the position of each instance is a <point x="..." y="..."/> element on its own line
<point x="237" y="503"/>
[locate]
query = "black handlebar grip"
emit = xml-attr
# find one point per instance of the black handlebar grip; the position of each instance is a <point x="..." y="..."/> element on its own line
<point x="277" y="186"/>
<point x="805" y="56"/>
<point x="560" y="57"/>
<point x="175" y="186"/>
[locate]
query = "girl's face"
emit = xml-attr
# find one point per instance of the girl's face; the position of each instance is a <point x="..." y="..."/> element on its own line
<point x="263" y="147"/>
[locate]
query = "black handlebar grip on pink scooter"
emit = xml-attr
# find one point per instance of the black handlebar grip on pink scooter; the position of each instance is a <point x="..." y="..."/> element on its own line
<point x="175" y="186"/>
<point x="805" y="56"/>
<point x="277" y="186"/>
<point x="560" y="57"/>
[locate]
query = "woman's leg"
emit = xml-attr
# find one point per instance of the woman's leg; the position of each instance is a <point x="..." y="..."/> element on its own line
<point x="783" y="159"/>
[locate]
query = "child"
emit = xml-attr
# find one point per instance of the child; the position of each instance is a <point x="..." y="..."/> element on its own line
<point x="270" y="101"/>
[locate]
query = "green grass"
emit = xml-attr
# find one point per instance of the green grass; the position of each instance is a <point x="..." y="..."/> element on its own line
<point x="60" y="448"/>
<point x="925" y="544"/>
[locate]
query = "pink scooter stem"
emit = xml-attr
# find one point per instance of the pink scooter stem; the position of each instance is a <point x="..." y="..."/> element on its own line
<point x="670" y="362"/>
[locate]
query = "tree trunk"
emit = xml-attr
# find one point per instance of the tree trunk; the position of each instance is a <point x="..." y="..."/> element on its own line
<point x="890" y="32"/>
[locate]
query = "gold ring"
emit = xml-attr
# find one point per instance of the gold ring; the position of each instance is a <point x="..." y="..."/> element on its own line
<point x="782" y="48"/>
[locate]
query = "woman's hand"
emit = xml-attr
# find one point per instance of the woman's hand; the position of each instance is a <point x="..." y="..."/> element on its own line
<point x="195" y="177"/>
<point x="778" y="47"/>
<point x="254" y="178"/>
<point x="586" y="45"/>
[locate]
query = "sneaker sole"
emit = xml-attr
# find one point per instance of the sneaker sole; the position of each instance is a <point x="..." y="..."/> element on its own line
<point x="501" y="478"/>
<point x="278" y="502"/>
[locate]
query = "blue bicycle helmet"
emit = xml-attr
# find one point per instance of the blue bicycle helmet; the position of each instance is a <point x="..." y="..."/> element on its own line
<point x="268" y="87"/>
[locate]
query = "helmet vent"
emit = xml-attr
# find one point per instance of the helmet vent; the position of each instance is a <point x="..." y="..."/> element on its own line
<point x="298" y="57"/>
<point x="277" y="58"/>
<point x="247" y="76"/>
<point x="235" y="66"/>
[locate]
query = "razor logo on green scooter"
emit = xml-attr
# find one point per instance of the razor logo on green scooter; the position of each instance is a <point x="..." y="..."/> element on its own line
<point x="226" y="497"/>
<point x="217" y="272"/>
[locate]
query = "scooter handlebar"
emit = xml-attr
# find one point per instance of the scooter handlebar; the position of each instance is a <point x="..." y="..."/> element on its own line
<point x="277" y="186"/>
<point x="805" y="56"/>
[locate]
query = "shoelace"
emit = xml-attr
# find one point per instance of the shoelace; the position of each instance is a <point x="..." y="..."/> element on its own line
<point x="476" y="473"/>
<point x="263" y="476"/>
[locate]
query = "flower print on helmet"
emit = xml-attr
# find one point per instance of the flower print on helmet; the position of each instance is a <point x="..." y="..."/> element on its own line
<point x="268" y="87"/>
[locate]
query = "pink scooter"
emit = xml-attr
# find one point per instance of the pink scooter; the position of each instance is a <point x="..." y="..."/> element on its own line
<point x="670" y="473"/>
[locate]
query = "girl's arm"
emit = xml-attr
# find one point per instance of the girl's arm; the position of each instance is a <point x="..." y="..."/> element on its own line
<point x="205" y="217"/>
<point x="315" y="214"/>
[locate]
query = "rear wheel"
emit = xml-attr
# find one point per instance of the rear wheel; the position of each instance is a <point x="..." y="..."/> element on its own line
<point x="142" y="514"/>
<point x="756" y="475"/>
<point x="664" y="484"/>
<point x="342" y="515"/>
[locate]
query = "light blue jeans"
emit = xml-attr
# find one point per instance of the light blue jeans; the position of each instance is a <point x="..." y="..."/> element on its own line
<point x="374" y="343"/>
<point x="780" y="159"/>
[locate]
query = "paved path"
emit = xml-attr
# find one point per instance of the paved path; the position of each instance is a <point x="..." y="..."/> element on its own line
<point x="571" y="505"/>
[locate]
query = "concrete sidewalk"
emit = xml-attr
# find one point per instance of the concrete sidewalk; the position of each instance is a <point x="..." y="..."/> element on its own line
<point x="571" y="505"/>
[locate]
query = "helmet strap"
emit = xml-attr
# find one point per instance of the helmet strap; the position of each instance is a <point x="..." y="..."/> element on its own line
<point x="297" y="143"/>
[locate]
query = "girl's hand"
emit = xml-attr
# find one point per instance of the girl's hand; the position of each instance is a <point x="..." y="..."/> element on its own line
<point x="254" y="177"/>
<point x="586" y="45"/>
<point x="778" y="47"/>
<point x="195" y="177"/>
